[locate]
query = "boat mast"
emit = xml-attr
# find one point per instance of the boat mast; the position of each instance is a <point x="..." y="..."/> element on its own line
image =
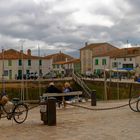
<point x="39" y="74"/>
<point x="3" y="82"/>
<point x="22" y="80"/>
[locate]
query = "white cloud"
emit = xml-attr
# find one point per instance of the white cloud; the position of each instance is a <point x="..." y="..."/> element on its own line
<point x="86" y="18"/>
<point x="66" y="24"/>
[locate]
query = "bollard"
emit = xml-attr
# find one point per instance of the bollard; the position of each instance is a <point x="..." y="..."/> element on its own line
<point x="93" y="98"/>
<point x="51" y="111"/>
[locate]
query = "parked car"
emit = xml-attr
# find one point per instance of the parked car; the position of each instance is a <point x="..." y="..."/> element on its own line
<point x="32" y="75"/>
<point x="49" y="75"/>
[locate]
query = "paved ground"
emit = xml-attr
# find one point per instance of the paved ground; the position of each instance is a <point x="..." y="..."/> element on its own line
<point x="77" y="124"/>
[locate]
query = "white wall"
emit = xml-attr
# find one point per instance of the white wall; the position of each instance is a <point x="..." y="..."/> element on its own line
<point x="46" y="67"/>
<point x="121" y="61"/>
<point x="100" y="66"/>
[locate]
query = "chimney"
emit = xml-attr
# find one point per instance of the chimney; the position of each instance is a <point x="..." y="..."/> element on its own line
<point x="86" y="43"/>
<point x="21" y="51"/>
<point x="29" y="52"/>
<point x="66" y="59"/>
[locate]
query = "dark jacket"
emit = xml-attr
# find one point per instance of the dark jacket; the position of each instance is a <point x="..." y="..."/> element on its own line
<point x="52" y="89"/>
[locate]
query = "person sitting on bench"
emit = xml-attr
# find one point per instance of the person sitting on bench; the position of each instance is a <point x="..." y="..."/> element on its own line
<point x="67" y="88"/>
<point x="53" y="89"/>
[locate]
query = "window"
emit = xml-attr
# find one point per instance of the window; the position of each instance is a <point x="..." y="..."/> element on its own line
<point x="40" y="62"/>
<point x="20" y="62"/>
<point x="40" y="72"/>
<point x="130" y="59"/>
<point x="96" y="62"/>
<point x="29" y="62"/>
<point x="5" y="73"/>
<point x="115" y="64"/>
<point x="124" y="59"/>
<point x="100" y="50"/>
<point x="103" y="61"/>
<point x="127" y="65"/>
<point x="19" y="74"/>
<point x="9" y="62"/>
<point x="27" y="71"/>
<point x="108" y="49"/>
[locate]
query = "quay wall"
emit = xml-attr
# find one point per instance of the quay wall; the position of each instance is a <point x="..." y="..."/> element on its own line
<point x="33" y="89"/>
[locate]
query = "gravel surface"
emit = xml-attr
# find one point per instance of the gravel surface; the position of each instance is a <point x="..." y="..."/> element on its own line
<point x="77" y="124"/>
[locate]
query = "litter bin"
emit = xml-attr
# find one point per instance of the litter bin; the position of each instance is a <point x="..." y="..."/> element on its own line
<point x="48" y="110"/>
<point x="43" y="110"/>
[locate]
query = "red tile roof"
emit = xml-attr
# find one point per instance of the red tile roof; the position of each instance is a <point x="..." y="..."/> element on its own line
<point x="123" y="52"/>
<point x="94" y="45"/>
<point x="73" y="61"/>
<point x="14" y="54"/>
<point x="60" y="62"/>
<point x="58" y="57"/>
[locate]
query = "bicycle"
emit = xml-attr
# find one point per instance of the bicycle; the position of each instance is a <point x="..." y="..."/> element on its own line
<point x="18" y="112"/>
<point x="134" y="103"/>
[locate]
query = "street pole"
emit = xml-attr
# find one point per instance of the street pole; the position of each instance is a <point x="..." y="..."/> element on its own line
<point x="105" y="90"/>
<point x="3" y="84"/>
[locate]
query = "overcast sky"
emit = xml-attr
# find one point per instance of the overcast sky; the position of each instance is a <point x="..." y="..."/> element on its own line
<point x="65" y="25"/>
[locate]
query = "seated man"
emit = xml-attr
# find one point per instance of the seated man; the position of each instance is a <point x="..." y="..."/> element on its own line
<point x="53" y="89"/>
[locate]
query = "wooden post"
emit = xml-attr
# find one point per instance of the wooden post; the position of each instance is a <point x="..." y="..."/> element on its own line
<point x="93" y="98"/>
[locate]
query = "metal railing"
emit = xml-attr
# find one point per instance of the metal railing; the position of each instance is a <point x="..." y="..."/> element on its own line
<point x="79" y="80"/>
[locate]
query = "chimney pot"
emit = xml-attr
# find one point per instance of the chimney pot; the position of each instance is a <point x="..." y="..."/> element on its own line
<point x="29" y="52"/>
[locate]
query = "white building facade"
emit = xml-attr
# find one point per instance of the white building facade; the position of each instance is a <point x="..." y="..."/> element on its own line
<point x="13" y="64"/>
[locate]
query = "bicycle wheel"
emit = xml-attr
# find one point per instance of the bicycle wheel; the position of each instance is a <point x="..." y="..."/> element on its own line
<point x="133" y="103"/>
<point x="20" y="113"/>
<point x="138" y="105"/>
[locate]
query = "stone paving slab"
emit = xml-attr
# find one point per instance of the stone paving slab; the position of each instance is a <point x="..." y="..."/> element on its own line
<point x="77" y="124"/>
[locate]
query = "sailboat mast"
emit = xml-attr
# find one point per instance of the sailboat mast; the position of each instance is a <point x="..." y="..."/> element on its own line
<point x="22" y="80"/>
<point x="39" y="74"/>
<point x="3" y="84"/>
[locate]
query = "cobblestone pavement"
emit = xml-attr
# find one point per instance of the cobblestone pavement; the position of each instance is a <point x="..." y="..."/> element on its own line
<point x="77" y="124"/>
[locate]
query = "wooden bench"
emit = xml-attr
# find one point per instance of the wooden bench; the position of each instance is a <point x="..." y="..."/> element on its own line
<point x="63" y="95"/>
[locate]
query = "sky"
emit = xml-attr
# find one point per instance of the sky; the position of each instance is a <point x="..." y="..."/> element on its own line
<point x="51" y="26"/>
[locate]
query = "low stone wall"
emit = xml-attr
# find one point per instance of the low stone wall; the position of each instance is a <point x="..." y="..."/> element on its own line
<point x="115" y="90"/>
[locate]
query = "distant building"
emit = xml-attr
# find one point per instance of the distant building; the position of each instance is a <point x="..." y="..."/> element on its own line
<point x="125" y="59"/>
<point x="89" y="51"/>
<point x="58" y="57"/>
<point x="15" y="64"/>
<point x="58" y="60"/>
<point x="72" y="66"/>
